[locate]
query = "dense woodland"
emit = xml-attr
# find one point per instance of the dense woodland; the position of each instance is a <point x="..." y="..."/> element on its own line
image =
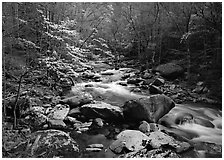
<point x="47" y="48"/>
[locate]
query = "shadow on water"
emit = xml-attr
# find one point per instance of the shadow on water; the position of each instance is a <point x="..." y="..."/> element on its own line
<point x="97" y="136"/>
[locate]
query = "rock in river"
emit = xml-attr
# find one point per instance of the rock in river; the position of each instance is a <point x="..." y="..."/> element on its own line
<point x="47" y="144"/>
<point x="150" y="108"/>
<point x="78" y="100"/>
<point x="102" y="110"/>
<point x="129" y="140"/>
<point x="159" y="139"/>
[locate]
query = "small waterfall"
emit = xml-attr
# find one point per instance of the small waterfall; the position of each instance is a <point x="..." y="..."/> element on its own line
<point x="195" y="122"/>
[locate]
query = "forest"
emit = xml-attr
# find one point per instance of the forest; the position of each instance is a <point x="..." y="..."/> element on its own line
<point x="111" y="79"/>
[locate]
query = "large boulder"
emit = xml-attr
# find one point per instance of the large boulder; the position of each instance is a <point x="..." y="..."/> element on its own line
<point x="78" y="100"/>
<point x="102" y="110"/>
<point x="46" y="144"/>
<point x="150" y="108"/>
<point x="129" y="140"/>
<point x="169" y="70"/>
<point x="159" y="139"/>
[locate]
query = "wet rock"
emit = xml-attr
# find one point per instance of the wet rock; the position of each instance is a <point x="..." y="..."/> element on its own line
<point x="93" y="149"/>
<point x="209" y="148"/>
<point x="134" y="80"/>
<point x="147" y="75"/>
<point x="123" y="83"/>
<point x="96" y="76"/>
<point x="155" y="127"/>
<point x="97" y="123"/>
<point x="74" y="112"/>
<point x="147" y="82"/>
<point x="136" y="90"/>
<point x="144" y="127"/>
<point x="150" y="109"/>
<point x="88" y="75"/>
<point x="59" y="112"/>
<point x="129" y="140"/>
<point x="183" y="118"/>
<point x="77" y="100"/>
<point x="158" y="82"/>
<point x="89" y="85"/>
<point x="102" y="110"/>
<point x="56" y="124"/>
<point x="71" y="120"/>
<point x="155" y="153"/>
<point x="109" y="72"/>
<point x="47" y="144"/>
<point x="126" y="75"/>
<point x="82" y="127"/>
<point x="155" y="90"/>
<point x="169" y="70"/>
<point x="95" y="146"/>
<point x="159" y="139"/>
<point x="198" y="89"/>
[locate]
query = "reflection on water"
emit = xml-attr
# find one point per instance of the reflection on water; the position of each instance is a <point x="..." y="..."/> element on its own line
<point x="97" y="137"/>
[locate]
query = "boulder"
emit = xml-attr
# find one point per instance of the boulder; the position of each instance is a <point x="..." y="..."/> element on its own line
<point x="47" y="144"/>
<point x="169" y="70"/>
<point x="102" y="110"/>
<point x="159" y="139"/>
<point x="155" y="90"/>
<point x="150" y="109"/>
<point x="129" y="140"/>
<point x="155" y="153"/>
<point x="59" y="112"/>
<point x="158" y="82"/>
<point x="78" y="100"/>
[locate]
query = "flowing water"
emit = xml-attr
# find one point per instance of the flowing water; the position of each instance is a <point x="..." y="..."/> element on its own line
<point x="195" y="122"/>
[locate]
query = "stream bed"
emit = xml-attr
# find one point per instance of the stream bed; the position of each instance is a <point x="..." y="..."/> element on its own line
<point x="199" y="124"/>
